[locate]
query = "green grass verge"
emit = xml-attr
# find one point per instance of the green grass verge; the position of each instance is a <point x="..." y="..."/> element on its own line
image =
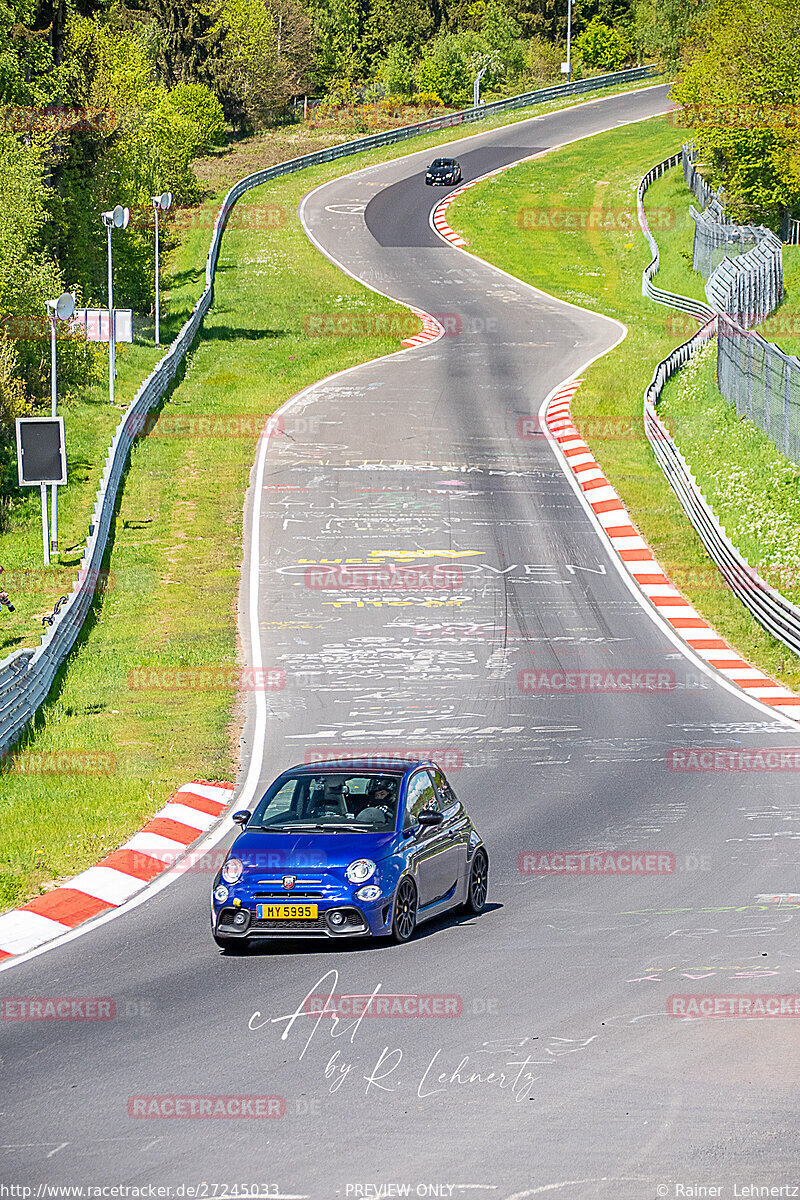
<point x="753" y="489"/>
<point x="177" y="544"/>
<point x="598" y="263"/>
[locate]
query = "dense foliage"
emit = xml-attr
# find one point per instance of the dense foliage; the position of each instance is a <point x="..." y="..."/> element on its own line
<point x="741" y="99"/>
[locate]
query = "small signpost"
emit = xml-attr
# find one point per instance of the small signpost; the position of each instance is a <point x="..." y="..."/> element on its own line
<point x="41" y="460"/>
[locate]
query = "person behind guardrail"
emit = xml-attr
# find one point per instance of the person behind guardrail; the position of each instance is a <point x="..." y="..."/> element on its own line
<point x="4" y="600"/>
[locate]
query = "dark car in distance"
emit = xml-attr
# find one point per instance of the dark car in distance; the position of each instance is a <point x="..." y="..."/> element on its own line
<point x="443" y="170"/>
<point x="354" y="848"/>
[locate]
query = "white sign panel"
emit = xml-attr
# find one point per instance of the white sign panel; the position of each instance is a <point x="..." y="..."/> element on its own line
<point x="94" y="323"/>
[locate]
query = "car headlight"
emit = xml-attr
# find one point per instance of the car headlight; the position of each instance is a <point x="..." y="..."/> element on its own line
<point x="232" y="870"/>
<point x="371" y="892"/>
<point x="221" y="894"/>
<point x="361" y="870"/>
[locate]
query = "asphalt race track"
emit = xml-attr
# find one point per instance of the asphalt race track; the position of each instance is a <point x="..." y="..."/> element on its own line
<point x="559" y="1070"/>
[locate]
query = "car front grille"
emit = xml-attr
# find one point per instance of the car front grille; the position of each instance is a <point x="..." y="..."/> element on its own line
<point x="282" y="926"/>
<point x="288" y="897"/>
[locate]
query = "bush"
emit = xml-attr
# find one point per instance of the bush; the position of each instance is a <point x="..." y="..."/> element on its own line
<point x="198" y="113"/>
<point x="543" y="61"/>
<point x="429" y="100"/>
<point x="447" y="67"/>
<point x="603" y="46"/>
<point x="396" y="73"/>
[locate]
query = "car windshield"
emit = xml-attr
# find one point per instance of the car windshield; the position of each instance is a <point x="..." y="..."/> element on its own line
<point x="330" y="800"/>
<point x="441" y="162"/>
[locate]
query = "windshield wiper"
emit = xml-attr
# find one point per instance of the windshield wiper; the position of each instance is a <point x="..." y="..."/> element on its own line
<point x="305" y="827"/>
<point x="282" y="828"/>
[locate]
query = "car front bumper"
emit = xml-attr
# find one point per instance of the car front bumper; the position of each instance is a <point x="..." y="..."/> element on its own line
<point x="358" y="920"/>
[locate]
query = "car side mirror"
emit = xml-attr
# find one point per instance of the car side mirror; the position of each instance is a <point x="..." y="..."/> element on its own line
<point x="428" y="817"/>
<point x="242" y="816"/>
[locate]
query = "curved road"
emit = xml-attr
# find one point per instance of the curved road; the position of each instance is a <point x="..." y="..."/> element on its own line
<point x="563" y="1071"/>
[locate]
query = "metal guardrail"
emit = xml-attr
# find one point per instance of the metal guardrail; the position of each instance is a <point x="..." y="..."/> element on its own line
<point x="694" y="308"/>
<point x="773" y="611"/>
<point x="27" y="675"/>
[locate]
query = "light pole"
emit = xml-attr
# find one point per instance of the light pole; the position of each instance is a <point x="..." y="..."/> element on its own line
<point x="57" y="310"/>
<point x="569" y="41"/>
<point x="476" y="87"/>
<point x="160" y="204"/>
<point x="117" y="218"/>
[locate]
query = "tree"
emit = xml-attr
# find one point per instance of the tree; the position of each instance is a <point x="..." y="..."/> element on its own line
<point x="741" y="97"/>
<point x="603" y="46"/>
<point x="662" y="27"/>
<point x="337" y="30"/>
<point x="446" y="67"/>
<point x="28" y="277"/>
<point x="396" y="72"/>
<point x="502" y="35"/>
<point x="189" y="34"/>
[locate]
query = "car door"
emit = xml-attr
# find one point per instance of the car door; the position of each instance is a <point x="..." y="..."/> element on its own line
<point x="427" y="842"/>
<point x="452" y="862"/>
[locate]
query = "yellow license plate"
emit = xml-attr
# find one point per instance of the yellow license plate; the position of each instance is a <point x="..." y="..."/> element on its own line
<point x="287" y="912"/>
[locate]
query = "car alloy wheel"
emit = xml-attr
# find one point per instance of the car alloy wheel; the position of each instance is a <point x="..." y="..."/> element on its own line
<point x="405" y="911"/>
<point x="478" y="882"/>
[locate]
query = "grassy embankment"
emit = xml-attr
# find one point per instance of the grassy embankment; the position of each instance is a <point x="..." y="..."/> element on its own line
<point x="597" y="263"/>
<point x="177" y="542"/>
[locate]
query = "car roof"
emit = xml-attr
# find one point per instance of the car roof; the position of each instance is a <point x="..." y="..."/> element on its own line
<point x="380" y="765"/>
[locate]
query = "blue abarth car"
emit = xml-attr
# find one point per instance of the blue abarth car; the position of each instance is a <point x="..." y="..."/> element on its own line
<point x="367" y="848"/>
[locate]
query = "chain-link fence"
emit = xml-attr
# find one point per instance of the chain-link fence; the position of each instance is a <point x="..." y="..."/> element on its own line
<point x="763" y="382"/>
<point x="716" y="240"/>
<point x="743" y="264"/>
<point x="750" y="287"/>
<point x="744" y="268"/>
<point x="695" y="180"/>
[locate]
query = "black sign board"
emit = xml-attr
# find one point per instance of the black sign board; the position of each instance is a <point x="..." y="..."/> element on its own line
<point x="41" y="456"/>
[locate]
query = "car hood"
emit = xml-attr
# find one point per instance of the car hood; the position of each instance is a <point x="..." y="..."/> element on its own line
<point x="296" y="851"/>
